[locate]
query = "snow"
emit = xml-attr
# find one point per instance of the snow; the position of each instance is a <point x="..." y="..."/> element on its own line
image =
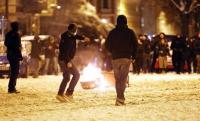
<point x="150" y="97"/>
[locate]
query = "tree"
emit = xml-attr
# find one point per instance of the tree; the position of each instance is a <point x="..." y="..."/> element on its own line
<point x="186" y="8"/>
<point x="75" y="11"/>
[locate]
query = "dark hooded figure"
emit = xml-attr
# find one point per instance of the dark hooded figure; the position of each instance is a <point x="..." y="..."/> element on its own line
<point x="178" y="47"/>
<point x="14" y="56"/>
<point x="121" y="43"/>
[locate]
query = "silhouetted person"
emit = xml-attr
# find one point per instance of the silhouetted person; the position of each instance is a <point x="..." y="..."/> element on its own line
<point x="67" y="50"/>
<point x="189" y="55"/>
<point x="50" y="55"/>
<point x="147" y="54"/>
<point x="178" y="47"/>
<point x="121" y="43"/>
<point x="154" y="48"/>
<point x="14" y="56"/>
<point x="139" y="56"/>
<point x="35" y="55"/>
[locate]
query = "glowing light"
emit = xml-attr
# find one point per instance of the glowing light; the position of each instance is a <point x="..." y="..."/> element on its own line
<point x="92" y="73"/>
<point x="104" y="21"/>
<point x="58" y="7"/>
<point x="163" y="25"/>
<point x="122" y="10"/>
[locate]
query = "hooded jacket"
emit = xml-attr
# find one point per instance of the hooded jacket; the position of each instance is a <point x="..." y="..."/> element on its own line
<point x="121" y="42"/>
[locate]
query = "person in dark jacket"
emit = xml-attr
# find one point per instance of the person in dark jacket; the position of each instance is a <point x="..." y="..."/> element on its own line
<point x="139" y="58"/>
<point x="154" y="48"/>
<point x="197" y="52"/>
<point x="189" y="55"/>
<point x="14" y="55"/>
<point x="121" y="43"/>
<point x="147" y="54"/>
<point x="178" y="47"/>
<point x="35" y="55"/>
<point x="67" y="50"/>
<point x="50" y="55"/>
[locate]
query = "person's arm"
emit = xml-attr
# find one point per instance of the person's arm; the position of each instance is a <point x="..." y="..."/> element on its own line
<point x="79" y="37"/>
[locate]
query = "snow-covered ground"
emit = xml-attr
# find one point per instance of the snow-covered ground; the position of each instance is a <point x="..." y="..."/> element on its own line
<point x="153" y="97"/>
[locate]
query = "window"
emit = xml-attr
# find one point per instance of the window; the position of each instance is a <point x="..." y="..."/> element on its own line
<point x="105" y="4"/>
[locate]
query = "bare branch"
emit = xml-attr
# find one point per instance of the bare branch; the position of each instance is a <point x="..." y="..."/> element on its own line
<point x="194" y="5"/>
<point x="179" y="7"/>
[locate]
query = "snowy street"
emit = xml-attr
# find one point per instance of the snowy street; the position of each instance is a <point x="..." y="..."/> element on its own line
<point x="153" y="97"/>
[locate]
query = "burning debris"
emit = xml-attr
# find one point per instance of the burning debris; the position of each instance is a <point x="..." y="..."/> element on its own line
<point x="92" y="77"/>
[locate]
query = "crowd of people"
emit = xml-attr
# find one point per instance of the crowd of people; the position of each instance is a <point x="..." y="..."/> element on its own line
<point x="41" y="65"/>
<point x="153" y="54"/>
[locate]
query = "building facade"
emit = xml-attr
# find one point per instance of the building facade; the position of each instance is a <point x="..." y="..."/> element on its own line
<point x="106" y="9"/>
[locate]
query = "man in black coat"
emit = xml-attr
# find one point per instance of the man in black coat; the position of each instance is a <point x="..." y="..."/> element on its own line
<point x="14" y="56"/>
<point x="178" y="46"/>
<point x="67" y="50"/>
<point x="121" y="43"/>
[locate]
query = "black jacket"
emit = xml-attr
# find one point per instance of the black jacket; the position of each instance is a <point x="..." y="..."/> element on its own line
<point x="197" y="46"/>
<point x="67" y="46"/>
<point x="121" y="42"/>
<point x="36" y="49"/>
<point x="178" y="45"/>
<point x="13" y="44"/>
<point x="50" y="50"/>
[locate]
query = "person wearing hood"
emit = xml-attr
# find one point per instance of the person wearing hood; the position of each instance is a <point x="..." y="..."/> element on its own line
<point x="122" y="44"/>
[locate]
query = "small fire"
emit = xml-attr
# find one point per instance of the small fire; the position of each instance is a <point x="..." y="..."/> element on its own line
<point x="94" y="75"/>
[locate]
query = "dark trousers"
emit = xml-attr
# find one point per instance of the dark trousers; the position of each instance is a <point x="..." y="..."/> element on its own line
<point x="121" y="70"/>
<point x="152" y="68"/>
<point x="14" y="71"/>
<point x="66" y="78"/>
<point x="178" y="62"/>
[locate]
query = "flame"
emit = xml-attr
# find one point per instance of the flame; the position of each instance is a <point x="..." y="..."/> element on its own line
<point x="93" y="73"/>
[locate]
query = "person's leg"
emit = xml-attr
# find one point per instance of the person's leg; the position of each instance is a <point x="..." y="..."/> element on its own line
<point x="121" y="70"/>
<point x="124" y="70"/>
<point x="153" y="63"/>
<point x="36" y="67"/>
<point x="55" y="63"/>
<point x="165" y="64"/>
<point x="66" y="77"/>
<point x="47" y="61"/>
<point x="14" y="71"/>
<point x="76" y="75"/>
<point x="116" y="69"/>
<point x="198" y="63"/>
<point x="160" y="63"/>
<point x="189" y="65"/>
